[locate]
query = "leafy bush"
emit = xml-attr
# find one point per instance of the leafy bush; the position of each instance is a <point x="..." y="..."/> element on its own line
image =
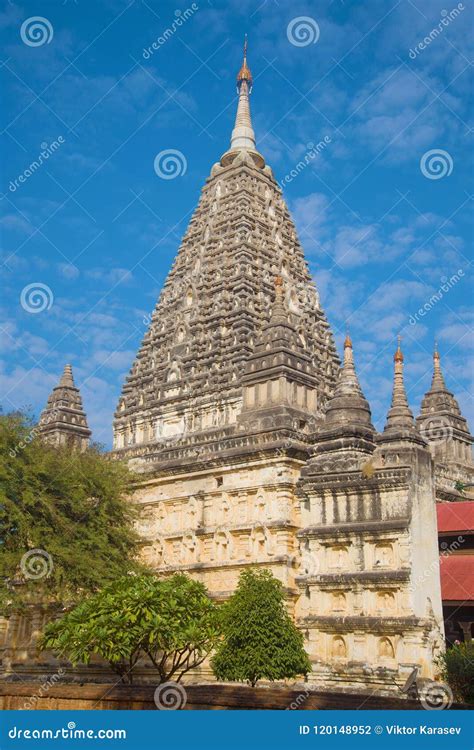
<point x="66" y="520"/>
<point x="456" y="665"/>
<point x="173" y="621"/>
<point x="260" y="639"/>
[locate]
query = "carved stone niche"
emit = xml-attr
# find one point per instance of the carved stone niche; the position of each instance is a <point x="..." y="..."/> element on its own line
<point x="386" y="649"/>
<point x="225" y="510"/>
<point x="194" y="513"/>
<point x="190" y="548"/>
<point x="338" y="556"/>
<point x="260" y="543"/>
<point x="260" y="503"/>
<point x="145" y="525"/>
<point x="153" y="553"/>
<point x="338" y="648"/>
<point x="223" y="546"/>
<point x="385" y="601"/>
<point x="338" y="602"/>
<point x="384" y="555"/>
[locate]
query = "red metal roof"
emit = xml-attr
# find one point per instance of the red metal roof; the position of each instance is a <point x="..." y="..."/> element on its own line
<point x="457" y="577"/>
<point x="455" y="516"/>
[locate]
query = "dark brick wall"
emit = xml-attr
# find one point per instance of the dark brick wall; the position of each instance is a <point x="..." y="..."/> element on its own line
<point x="207" y="697"/>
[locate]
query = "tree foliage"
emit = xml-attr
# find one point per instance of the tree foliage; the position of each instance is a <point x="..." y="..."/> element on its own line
<point x="72" y="508"/>
<point x="456" y="665"/>
<point x="260" y="639"/>
<point x="172" y="621"/>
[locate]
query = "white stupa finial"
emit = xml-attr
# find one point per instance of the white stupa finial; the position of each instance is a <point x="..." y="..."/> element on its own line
<point x="243" y="136"/>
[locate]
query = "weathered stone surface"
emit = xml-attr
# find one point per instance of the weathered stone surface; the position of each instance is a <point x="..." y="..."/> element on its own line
<point x="253" y="448"/>
<point x="63" y="421"/>
<point x="253" y="453"/>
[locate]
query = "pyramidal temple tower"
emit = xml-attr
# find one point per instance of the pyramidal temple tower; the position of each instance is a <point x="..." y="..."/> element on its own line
<point x="187" y="376"/>
<point x="63" y="421"/>
<point x="255" y="447"/>
<point x="445" y="429"/>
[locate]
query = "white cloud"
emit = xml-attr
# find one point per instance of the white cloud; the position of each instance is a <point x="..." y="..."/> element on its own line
<point x="68" y="271"/>
<point x="110" y="275"/>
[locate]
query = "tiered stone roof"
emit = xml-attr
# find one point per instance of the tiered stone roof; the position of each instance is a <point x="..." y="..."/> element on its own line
<point x="400" y="422"/>
<point x="440" y="403"/>
<point x="441" y="423"/>
<point x="187" y="376"/>
<point x="63" y="421"/>
<point x="348" y="405"/>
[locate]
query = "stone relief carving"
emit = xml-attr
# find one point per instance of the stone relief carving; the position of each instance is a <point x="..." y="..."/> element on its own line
<point x="338" y="648"/>
<point x="190" y="548"/>
<point x="386" y="649"/>
<point x="223" y="546"/>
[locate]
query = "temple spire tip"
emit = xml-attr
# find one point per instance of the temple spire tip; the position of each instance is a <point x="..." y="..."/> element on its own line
<point x="67" y="378"/>
<point x="398" y="356"/>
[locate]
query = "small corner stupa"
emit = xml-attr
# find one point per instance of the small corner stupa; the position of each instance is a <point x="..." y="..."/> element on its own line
<point x="63" y="421"/>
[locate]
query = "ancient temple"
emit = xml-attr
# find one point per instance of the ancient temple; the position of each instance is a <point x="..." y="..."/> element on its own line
<point x="256" y="448"/>
<point x="63" y="421"/>
<point x="254" y="445"/>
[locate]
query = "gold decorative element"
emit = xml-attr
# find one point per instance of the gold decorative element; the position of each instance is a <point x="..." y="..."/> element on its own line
<point x="244" y="73"/>
<point x="398" y="356"/>
<point x="368" y="470"/>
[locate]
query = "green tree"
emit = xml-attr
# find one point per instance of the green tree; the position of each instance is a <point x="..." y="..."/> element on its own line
<point x="172" y="621"/>
<point x="260" y="639"/>
<point x="456" y="665"/>
<point x="66" y="520"/>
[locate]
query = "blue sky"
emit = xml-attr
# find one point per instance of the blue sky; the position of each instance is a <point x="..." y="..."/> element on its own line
<point x="99" y="228"/>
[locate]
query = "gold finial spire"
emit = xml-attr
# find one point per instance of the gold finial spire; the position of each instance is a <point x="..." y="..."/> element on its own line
<point x="244" y="73"/>
<point x="347" y="340"/>
<point x="398" y="356"/>
<point x="243" y="136"/>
